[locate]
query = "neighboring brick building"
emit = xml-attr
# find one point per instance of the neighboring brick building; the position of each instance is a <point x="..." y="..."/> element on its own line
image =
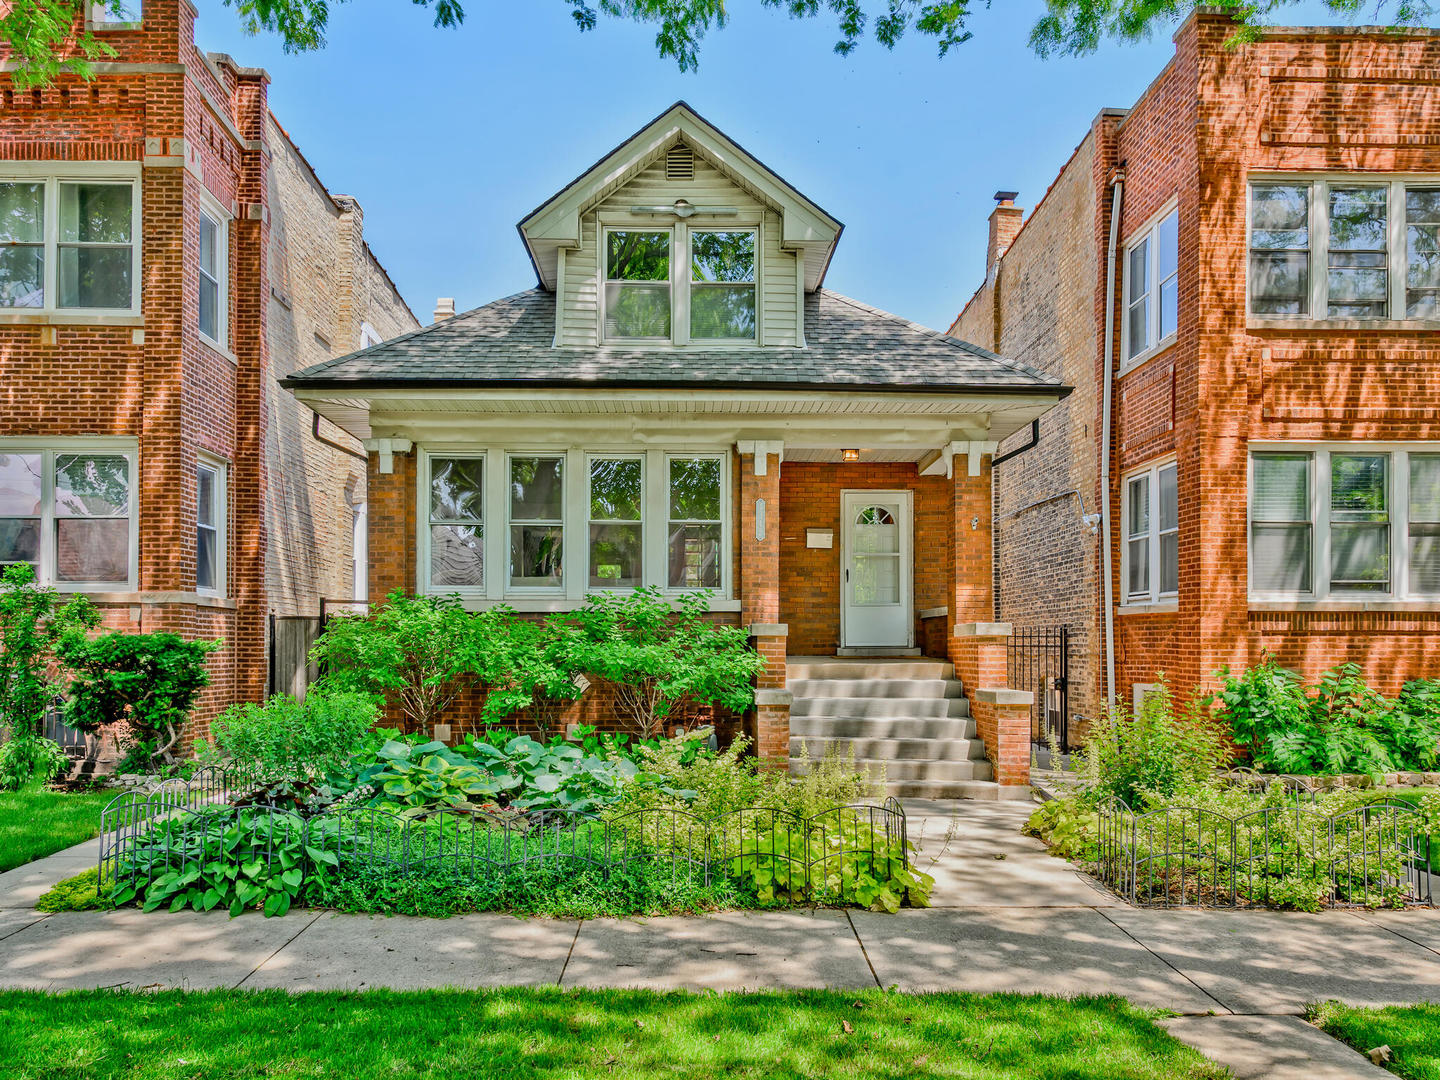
<point x="681" y="404"/>
<point x="1274" y="466"/>
<point x="169" y="255"/>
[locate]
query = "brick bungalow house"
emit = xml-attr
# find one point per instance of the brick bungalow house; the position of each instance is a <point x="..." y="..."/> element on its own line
<point x="1239" y="275"/>
<point x="168" y="253"/>
<point x="681" y="403"/>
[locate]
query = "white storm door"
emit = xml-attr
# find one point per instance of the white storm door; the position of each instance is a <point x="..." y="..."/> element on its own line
<point x="875" y="586"/>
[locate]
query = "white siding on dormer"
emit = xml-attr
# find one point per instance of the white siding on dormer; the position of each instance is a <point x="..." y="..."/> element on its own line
<point x="779" y="301"/>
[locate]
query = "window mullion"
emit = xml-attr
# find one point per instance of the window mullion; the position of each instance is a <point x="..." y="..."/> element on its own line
<point x="1320" y="250"/>
<point x="680" y="284"/>
<point x="1395" y="238"/>
<point x="51" y="241"/>
<point x="1400" y="524"/>
<point x="575" y="524"/>
<point x="656" y="509"/>
<point x="46" y="551"/>
<point x="1153" y="547"/>
<point x="1320" y="524"/>
<point x="497" y="528"/>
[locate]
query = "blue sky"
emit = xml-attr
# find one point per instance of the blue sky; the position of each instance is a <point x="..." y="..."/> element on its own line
<point x="447" y="137"/>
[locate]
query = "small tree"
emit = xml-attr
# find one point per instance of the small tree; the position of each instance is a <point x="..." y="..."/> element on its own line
<point x="526" y="666"/>
<point x="147" y="681"/>
<point x="659" y="655"/>
<point x="418" y="649"/>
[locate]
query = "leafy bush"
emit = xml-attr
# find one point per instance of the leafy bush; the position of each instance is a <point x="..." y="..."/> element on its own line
<point x="30" y="761"/>
<point x="416" y="649"/>
<point x="285" y="739"/>
<point x="1129" y="754"/>
<point x="1069" y="827"/>
<point x="1341" y="725"/>
<point x="427" y="776"/>
<point x="149" y="682"/>
<point x="524" y="666"/>
<point x="658" y="655"/>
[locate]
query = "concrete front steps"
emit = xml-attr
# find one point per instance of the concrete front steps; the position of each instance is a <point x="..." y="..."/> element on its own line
<point x="906" y="718"/>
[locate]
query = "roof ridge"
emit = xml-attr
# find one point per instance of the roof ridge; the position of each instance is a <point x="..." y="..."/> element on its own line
<point x="325" y="365"/>
<point x="936" y="335"/>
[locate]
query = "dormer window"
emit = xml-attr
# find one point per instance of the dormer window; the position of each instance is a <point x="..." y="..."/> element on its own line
<point x="722" y="285"/>
<point x="637" y="285"/>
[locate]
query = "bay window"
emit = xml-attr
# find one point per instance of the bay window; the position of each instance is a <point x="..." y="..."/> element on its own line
<point x="1151" y="523"/>
<point x="70" y="514"/>
<point x="1152" y="288"/>
<point x="1351" y="248"/>
<point x="1345" y="521"/>
<point x="707" y="293"/>
<point x="568" y="522"/>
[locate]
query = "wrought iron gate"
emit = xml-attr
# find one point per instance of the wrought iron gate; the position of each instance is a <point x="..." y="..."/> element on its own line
<point x="1039" y="661"/>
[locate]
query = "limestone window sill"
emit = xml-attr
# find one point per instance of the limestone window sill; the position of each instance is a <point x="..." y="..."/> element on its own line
<point x="1157" y="607"/>
<point x="1338" y="606"/>
<point x="65" y="318"/>
<point x="1380" y="325"/>
<point x="224" y="603"/>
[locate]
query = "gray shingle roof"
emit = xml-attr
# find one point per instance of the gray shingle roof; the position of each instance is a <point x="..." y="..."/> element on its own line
<point x="511" y="343"/>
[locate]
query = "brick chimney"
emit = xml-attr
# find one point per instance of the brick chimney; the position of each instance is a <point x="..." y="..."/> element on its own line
<point x="1005" y="221"/>
<point x="444" y="308"/>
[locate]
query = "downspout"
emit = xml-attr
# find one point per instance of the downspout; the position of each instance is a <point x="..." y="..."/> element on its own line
<point x="315" y="434"/>
<point x="1117" y="194"/>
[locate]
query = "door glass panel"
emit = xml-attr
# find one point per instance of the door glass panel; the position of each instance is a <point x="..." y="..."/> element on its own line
<point x="876" y="580"/>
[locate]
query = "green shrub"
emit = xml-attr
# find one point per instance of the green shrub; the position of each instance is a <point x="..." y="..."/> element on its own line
<point x="525" y="667"/>
<point x="659" y="655"/>
<point x="1341" y="725"/>
<point x="30" y="761"/>
<point x="1129" y="754"/>
<point x="1070" y="828"/>
<point x="285" y="739"/>
<point x="79" y="893"/>
<point x="148" y="682"/>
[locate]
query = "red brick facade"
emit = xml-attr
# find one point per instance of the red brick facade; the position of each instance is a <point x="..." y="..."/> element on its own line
<point x="188" y="130"/>
<point x="1353" y="104"/>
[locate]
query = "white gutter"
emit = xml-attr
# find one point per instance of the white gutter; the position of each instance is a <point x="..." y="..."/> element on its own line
<point x="1117" y="194"/>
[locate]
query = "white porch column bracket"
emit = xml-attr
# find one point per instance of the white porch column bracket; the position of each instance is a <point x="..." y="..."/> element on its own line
<point x="942" y="461"/>
<point x="387" y="449"/>
<point x="762" y="450"/>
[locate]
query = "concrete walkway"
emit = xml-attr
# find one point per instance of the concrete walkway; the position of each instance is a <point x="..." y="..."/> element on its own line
<point x="1007" y="917"/>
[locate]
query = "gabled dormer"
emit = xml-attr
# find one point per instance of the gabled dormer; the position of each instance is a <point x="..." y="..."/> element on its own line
<point x="679" y="238"/>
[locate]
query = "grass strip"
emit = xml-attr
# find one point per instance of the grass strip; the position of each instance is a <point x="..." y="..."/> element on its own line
<point x="34" y="824"/>
<point x="1412" y="1032"/>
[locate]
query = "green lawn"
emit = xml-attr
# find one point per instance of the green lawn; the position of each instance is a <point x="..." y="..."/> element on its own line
<point x="619" y="1035"/>
<point x="1411" y="1032"/>
<point x="34" y="824"/>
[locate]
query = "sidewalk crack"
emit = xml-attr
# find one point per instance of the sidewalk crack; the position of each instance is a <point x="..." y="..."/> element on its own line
<point x="284" y="945"/>
<point x="863" y="951"/>
<point x="1361" y="915"/>
<point x="569" y="953"/>
<point x="1167" y="963"/>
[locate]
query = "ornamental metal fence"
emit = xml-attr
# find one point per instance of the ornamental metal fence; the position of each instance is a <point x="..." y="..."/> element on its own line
<point x="131" y="813"/>
<point x="825" y="857"/>
<point x="1277" y="856"/>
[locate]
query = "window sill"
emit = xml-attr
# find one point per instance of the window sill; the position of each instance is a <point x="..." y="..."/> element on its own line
<point x="215" y="347"/>
<point x="1150" y="607"/>
<point x="103" y="27"/>
<point x="1338" y="606"/>
<point x="536" y="605"/>
<point x="190" y="598"/>
<point x="1144" y="358"/>
<point x="66" y="318"/>
<point x="717" y="345"/>
<point x="1302" y="323"/>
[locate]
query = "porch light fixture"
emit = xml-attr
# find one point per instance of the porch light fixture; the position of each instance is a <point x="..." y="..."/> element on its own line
<point x="849" y="455"/>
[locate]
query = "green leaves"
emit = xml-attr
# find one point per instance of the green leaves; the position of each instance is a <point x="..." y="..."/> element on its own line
<point x="285" y="739"/>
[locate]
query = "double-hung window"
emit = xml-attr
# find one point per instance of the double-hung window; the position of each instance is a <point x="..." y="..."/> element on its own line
<point x="214" y="250"/>
<point x="537" y="521"/>
<point x="637" y="284"/>
<point x="69" y="513"/>
<point x="69" y="243"/>
<point x="708" y="293"/>
<point x="617" y="542"/>
<point x="456" y="535"/>
<point x="1152" y="535"/>
<point x="722" y="285"/>
<point x="210" y="515"/>
<point x="695" y="525"/>
<point x="1351" y="248"/>
<point x="1152" y="288"/>
<point x="1345" y="521"/>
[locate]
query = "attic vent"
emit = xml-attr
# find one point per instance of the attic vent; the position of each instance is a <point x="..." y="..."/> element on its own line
<point x="680" y="163"/>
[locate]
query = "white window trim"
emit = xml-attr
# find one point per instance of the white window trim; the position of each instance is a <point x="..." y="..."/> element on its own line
<point x="680" y="281"/>
<point x="369" y="336"/>
<point x="48" y="449"/>
<point x="1151" y="474"/>
<point x="655" y="525"/>
<point x="1149" y="231"/>
<point x="1396" y="249"/>
<point x="211" y="208"/>
<point x="52" y="174"/>
<point x="1320" y="591"/>
<point x="221" y="468"/>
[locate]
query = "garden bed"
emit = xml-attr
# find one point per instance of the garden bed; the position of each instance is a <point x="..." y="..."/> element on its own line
<point x="619" y="1035"/>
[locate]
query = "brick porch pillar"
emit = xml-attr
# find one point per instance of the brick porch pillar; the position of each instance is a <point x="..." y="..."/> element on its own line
<point x="977" y="646"/>
<point x="769" y="725"/>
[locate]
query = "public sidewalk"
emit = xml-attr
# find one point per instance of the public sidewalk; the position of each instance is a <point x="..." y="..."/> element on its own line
<point x="1008" y="917"/>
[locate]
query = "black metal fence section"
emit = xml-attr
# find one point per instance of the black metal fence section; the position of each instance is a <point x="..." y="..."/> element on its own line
<point x="131" y="814"/>
<point x="1278" y="856"/>
<point x="1039" y="661"/>
<point x="827" y="857"/>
